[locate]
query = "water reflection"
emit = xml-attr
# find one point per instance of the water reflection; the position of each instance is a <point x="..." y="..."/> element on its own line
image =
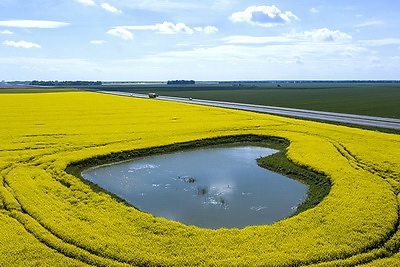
<point x="210" y="188"/>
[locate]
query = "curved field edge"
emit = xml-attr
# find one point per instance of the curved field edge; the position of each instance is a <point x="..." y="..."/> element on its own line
<point x="319" y="185"/>
<point x="45" y="207"/>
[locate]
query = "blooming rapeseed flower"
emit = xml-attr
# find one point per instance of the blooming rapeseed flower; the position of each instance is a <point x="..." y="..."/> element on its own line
<point x="49" y="217"/>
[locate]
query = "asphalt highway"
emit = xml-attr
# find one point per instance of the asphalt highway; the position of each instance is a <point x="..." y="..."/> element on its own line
<point x="301" y="113"/>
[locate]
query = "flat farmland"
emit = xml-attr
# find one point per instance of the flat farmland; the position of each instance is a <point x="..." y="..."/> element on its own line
<point x="374" y="99"/>
<point x="50" y="217"/>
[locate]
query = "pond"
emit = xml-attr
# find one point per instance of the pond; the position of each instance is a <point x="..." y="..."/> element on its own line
<point x="211" y="188"/>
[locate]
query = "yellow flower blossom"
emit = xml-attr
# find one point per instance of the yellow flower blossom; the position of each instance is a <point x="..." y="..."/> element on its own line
<point x="49" y="217"/>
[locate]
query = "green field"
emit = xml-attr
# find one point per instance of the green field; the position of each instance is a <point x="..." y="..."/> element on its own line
<point x="382" y="100"/>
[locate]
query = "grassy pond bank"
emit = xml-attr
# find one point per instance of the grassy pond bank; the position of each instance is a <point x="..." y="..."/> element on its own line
<point x="318" y="184"/>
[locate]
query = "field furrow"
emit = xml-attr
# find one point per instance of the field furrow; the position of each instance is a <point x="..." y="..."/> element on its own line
<point x="64" y="220"/>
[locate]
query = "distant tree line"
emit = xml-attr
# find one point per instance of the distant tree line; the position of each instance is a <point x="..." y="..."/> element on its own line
<point x="15" y="82"/>
<point x="181" y="82"/>
<point x="64" y="83"/>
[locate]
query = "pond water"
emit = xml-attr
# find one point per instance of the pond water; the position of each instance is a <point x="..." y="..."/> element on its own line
<point x="210" y="188"/>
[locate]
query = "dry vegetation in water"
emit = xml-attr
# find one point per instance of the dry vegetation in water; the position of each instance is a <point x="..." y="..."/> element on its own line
<point x="49" y="217"/>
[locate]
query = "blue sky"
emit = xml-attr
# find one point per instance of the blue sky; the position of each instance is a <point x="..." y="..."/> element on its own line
<point x="155" y="40"/>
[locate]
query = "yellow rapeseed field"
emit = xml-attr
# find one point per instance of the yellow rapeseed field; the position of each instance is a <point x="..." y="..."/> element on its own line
<point x="51" y="218"/>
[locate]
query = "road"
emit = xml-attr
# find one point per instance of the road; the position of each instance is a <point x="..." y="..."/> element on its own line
<point x="301" y="113"/>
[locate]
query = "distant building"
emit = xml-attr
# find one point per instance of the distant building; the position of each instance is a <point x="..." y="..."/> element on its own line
<point x="181" y="82"/>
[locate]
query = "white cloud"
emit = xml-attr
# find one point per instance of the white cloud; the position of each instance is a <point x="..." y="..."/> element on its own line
<point x="210" y="29"/>
<point x="318" y="35"/>
<point x="298" y="60"/>
<point x="302" y="60"/>
<point x="380" y="42"/>
<point x="374" y="59"/>
<point x="370" y="23"/>
<point x="166" y="28"/>
<point x="21" y="44"/>
<point x="98" y="42"/>
<point x="121" y="32"/>
<point x="243" y="39"/>
<point x="325" y="35"/>
<point x="105" y="6"/>
<point x="111" y="9"/>
<point x="314" y="10"/>
<point x="354" y="51"/>
<point x="171" y="28"/>
<point x="6" y="32"/>
<point x="87" y="2"/>
<point x="266" y="16"/>
<point x="45" y="24"/>
<point x="207" y="29"/>
<point x="292" y="53"/>
<point x="175" y="5"/>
